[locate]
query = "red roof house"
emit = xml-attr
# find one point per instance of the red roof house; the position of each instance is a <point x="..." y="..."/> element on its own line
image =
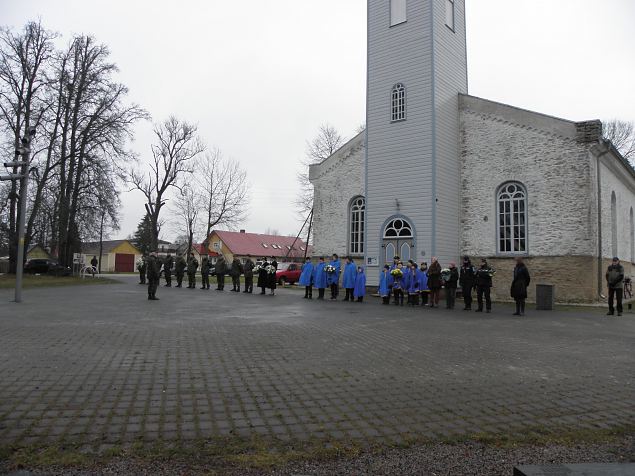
<point x="242" y="244"/>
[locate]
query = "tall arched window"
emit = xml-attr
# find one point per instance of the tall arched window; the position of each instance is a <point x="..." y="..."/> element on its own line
<point x="614" y="249"/>
<point x="512" y="219"/>
<point x="398" y="102"/>
<point x="357" y="223"/>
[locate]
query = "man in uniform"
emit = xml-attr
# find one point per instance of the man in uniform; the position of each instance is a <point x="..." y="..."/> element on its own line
<point x="205" y="266"/>
<point x="180" y="270"/>
<point x="483" y="286"/>
<point x="467" y="281"/>
<point x="221" y="269"/>
<point x="615" y="282"/>
<point x="153" y="272"/>
<point x="236" y="271"/>
<point x="141" y="267"/>
<point x="249" y="275"/>
<point x="167" y="269"/>
<point x="192" y="266"/>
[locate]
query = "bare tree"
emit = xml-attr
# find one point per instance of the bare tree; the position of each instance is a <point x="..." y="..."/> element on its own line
<point x="186" y="209"/>
<point x="622" y="135"/>
<point x="325" y="144"/>
<point x="272" y="232"/>
<point x="177" y="144"/>
<point x="222" y="186"/>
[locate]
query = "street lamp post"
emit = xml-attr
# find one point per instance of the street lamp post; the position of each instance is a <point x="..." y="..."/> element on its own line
<point x="23" y="158"/>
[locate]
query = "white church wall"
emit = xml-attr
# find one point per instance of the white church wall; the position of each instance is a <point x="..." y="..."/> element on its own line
<point x="546" y="159"/>
<point x="615" y="178"/>
<point x="336" y="182"/>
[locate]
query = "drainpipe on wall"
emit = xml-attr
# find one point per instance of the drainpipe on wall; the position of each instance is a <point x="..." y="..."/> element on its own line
<point x="599" y="191"/>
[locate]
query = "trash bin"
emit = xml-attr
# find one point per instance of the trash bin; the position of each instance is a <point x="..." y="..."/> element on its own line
<point x="545" y="297"/>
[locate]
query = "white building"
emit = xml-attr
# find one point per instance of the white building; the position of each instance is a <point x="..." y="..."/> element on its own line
<point x="441" y="173"/>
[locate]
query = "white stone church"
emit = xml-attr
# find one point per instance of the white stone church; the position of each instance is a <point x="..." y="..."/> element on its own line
<point x="438" y="172"/>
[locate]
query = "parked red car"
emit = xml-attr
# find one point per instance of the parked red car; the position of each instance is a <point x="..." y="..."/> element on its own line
<point x="288" y="273"/>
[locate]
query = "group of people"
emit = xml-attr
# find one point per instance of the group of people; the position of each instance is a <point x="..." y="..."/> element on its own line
<point x="414" y="284"/>
<point x="151" y="268"/>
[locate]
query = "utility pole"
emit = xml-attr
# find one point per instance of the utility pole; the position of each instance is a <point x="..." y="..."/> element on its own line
<point x="22" y="161"/>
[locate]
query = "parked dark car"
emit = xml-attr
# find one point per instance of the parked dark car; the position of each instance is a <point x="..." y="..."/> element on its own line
<point x="288" y="273"/>
<point x="46" y="266"/>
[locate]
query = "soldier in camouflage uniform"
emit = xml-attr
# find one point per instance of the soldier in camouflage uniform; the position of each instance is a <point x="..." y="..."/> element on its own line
<point x="205" y="267"/>
<point x="168" y="264"/>
<point x="153" y="272"/>
<point x="236" y="271"/>
<point x="221" y="269"/>
<point x="192" y="266"/>
<point x="180" y="271"/>
<point x="249" y="275"/>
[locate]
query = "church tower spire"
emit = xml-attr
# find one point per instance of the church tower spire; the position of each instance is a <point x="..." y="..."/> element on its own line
<point x="417" y="68"/>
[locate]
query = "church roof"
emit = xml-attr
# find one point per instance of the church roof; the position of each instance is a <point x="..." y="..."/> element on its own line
<point x="358" y="141"/>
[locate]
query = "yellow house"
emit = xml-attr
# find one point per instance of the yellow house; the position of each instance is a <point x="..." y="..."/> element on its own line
<point x="37" y="252"/>
<point x="118" y="256"/>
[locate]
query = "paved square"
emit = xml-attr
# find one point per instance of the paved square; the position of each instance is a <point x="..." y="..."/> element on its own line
<point x="101" y="365"/>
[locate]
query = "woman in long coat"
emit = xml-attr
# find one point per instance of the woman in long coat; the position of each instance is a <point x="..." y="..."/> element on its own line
<point x="320" y="278"/>
<point x="262" y="276"/>
<point x="271" y="277"/>
<point x="519" y="287"/>
<point x="434" y="282"/>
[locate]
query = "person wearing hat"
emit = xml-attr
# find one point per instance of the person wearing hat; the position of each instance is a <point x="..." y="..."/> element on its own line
<point x="615" y="282"/>
<point x="450" y="286"/>
<point x="249" y="275"/>
<point x="395" y="262"/>
<point x="153" y="273"/>
<point x="519" y="286"/>
<point x="467" y="280"/>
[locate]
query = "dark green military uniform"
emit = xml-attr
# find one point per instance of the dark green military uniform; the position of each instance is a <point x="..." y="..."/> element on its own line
<point x="205" y="266"/>
<point x="236" y="271"/>
<point x="221" y="269"/>
<point x="192" y="266"/>
<point x="180" y="270"/>
<point x="153" y="272"/>
<point x="168" y="264"/>
<point x="248" y="269"/>
<point x="142" y="266"/>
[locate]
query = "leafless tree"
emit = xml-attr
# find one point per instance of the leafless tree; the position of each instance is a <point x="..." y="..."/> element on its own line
<point x="272" y="232"/>
<point x="177" y="144"/>
<point x="622" y="135"/>
<point x="319" y="149"/>
<point x="222" y="187"/>
<point x="186" y="210"/>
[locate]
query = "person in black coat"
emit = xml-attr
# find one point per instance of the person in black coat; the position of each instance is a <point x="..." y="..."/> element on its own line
<point x="262" y="276"/>
<point x="484" y="286"/>
<point x="467" y="282"/>
<point x="519" y="287"/>
<point x="271" y="277"/>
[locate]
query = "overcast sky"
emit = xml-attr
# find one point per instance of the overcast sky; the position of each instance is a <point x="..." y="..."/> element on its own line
<point x="259" y="77"/>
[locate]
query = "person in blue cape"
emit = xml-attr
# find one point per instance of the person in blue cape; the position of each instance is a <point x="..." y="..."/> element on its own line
<point x="348" y="281"/>
<point x="423" y="283"/>
<point x="395" y="262"/>
<point x="306" y="278"/>
<point x="320" y="278"/>
<point x="360" y="285"/>
<point x="333" y="278"/>
<point x="398" y="284"/>
<point x="412" y="283"/>
<point x="385" y="283"/>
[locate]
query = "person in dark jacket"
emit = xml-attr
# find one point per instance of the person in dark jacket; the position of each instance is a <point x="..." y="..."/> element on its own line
<point x="168" y="264"/>
<point x="467" y="280"/>
<point x="450" y="286"/>
<point x="249" y="275"/>
<point x="142" y="267"/>
<point x="271" y="277"/>
<point x="615" y="282"/>
<point x="236" y="271"/>
<point x="221" y="270"/>
<point x="205" y="268"/>
<point x="519" y="287"/>
<point x="153" y="272"/>
<point x="484" y="286"/>
<point x="434" y="282"/>
<point x="180" y="267"/>
<point x="262" y="276"/>
<point x="192" y="266"/>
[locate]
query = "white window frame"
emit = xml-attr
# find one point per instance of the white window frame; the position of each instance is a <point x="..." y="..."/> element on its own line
<point x="357" y="226"/>
<point x="398" y="228"/>
<point x="450" y="14"/>
<point x="398" y="103"/>
<point x="398" y="12"/>
<point x="512" y="233"/>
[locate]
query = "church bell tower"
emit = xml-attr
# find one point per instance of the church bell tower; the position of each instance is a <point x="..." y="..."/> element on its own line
<point x="417" y="67"/>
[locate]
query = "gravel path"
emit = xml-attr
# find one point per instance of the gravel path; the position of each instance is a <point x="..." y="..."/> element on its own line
<point x="469" y="459"/>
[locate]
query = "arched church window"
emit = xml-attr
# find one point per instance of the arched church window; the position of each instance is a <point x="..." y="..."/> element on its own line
<point x="614" y="248"/>
<point x="357" y="224"/>
<point x="398" y="102"/>
<point x="512" y="218"/>
<point x="398" y="228"/>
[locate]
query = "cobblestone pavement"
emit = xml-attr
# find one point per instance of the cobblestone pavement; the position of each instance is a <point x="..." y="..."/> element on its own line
<point x="101" y="365"/>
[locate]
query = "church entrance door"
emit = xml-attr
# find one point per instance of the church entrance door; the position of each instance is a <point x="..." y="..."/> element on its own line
<point x="398" y="240"/>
